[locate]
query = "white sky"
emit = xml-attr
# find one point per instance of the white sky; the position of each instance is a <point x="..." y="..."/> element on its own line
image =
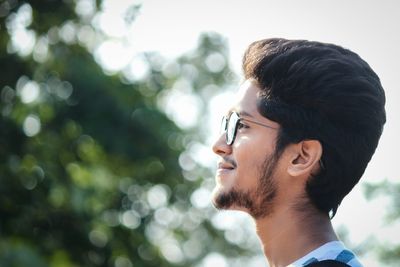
<point x="370" y="28"/>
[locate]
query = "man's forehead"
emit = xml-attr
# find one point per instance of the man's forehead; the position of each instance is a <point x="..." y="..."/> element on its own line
<point x="245" y="100"/>
<point x="243" y="90"/>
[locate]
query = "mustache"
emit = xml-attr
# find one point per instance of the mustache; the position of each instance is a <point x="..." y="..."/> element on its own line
<point x="230" y="161"/>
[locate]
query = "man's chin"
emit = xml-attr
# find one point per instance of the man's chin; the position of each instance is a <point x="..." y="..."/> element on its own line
<point x="226" y="199"/>
<point x="238" y="200"/>
<point x="220" y="198"/>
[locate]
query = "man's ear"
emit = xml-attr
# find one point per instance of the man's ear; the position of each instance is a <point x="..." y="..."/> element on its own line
<point x="305" y="159"/>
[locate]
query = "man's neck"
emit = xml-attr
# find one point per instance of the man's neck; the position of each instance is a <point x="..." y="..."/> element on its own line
<point x="287" y="235"/>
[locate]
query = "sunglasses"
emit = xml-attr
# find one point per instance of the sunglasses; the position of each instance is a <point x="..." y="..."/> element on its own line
<point x="231" y="123"/>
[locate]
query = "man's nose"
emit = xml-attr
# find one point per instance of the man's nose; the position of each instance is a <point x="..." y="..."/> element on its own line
<point x="220" y="147"/>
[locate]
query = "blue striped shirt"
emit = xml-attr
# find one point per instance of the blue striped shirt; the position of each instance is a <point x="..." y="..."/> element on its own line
<point x="334" y="250"/>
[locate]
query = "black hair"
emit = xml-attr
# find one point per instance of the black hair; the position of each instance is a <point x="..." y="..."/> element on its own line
<point x="321" y="92"/>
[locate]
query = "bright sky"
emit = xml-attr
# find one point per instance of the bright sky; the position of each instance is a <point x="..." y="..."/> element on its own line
<point x="370" y="28"/>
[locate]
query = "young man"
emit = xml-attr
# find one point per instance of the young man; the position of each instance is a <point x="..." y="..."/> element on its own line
<point x="308" y="119"/>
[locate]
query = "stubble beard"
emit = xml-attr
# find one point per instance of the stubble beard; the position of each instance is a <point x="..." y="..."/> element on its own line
<point x="258" y="202"/>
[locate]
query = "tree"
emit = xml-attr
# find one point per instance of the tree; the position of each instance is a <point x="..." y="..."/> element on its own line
<point x="388" y="253"/>
<point x="89" y="163"/>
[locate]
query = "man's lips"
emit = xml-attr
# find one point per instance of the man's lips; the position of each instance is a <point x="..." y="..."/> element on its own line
<point x="225" y="166"/>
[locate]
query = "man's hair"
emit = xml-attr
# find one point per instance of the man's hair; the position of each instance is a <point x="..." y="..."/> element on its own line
<point x="321" y="92"/>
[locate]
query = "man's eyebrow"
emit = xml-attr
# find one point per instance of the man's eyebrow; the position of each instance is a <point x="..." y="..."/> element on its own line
<point x="244" y="113"/>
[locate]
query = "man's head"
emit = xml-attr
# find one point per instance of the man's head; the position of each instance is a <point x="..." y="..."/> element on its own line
<point x="317" y="95"/>
<point x="248" y="161"/>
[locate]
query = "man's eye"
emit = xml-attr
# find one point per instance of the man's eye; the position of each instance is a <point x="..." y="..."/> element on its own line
<point x="241" y="125"/>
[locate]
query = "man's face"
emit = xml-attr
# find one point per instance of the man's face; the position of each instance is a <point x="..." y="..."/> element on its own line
<point x="246" y="169"/>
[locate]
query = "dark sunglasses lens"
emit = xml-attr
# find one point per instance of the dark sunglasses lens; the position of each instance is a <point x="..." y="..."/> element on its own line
<point x="231" y="129"/>
<point x="224" y="123"/>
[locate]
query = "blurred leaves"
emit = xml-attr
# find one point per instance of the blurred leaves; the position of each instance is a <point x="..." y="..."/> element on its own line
<point x="95" y="169"/>
<point x="388" y="253"/>
<point x="386" y="188"/>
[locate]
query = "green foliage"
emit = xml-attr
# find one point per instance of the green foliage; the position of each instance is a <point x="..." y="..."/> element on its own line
<point x="389" y="189"/>
<point x="389" y="254"/>
<point x="89" y="169"/>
